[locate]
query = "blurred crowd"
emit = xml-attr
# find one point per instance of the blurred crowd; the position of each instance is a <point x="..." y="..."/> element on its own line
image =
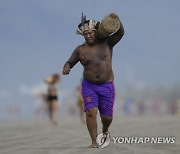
<point x="55" y="104"/>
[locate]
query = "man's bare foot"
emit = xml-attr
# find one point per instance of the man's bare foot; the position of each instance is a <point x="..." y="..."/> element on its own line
<point x="94" y="145"/>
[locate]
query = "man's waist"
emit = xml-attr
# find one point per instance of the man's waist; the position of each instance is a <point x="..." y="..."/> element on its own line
<point x="98" y="82"/>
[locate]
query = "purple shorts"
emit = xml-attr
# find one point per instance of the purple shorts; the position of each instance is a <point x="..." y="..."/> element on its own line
<point x="99" y="95"/>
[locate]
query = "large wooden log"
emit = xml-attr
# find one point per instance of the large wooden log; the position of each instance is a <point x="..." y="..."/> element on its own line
<point x="108" y="25"/>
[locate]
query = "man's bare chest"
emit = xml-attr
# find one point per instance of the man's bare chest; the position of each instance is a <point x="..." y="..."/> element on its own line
<point x="96" y="53"/>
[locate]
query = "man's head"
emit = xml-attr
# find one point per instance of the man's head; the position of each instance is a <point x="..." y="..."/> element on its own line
<point x="90" y="36"/>
<point x="88" y="28"/>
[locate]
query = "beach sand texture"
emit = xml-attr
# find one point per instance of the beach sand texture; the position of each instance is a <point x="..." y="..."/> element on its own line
<point x="71" y="137"/>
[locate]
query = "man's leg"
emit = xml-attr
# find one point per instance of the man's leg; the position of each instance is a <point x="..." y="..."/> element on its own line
<point x="106" y="104"/>
<point x="91" y="122"/>
<point x="103" y="139"/>
<point x="106" y="122"/>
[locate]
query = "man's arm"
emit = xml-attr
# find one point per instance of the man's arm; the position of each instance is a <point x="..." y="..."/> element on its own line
<point x="71" y="62"/>
<point x="116" y="37"/>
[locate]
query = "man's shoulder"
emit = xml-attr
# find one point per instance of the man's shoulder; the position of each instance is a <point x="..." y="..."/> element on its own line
<point x="82" y="45"/>
<point x="79" y="47"/>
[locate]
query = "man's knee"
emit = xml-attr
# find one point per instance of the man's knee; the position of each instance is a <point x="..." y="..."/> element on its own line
<point x="91" y="112"/>
<point x="106" y="118"/>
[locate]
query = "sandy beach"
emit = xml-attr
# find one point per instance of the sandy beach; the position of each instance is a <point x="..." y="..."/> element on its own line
<point x="71" y="137"/>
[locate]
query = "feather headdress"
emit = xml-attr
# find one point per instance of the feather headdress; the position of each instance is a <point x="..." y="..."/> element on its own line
<point x="86" y="25"/>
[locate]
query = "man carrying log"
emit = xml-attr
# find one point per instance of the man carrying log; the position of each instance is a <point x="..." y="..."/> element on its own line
<point x="96" y="57"/>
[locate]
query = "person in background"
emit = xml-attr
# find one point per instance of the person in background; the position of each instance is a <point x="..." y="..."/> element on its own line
<point x="52" y="96"/>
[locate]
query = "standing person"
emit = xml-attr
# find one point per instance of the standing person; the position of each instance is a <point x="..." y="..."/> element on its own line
<point x="97" y="86"/>
<point x="52" y="97"/>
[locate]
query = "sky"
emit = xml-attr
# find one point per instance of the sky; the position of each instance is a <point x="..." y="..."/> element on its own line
<point x="38" y="36"/>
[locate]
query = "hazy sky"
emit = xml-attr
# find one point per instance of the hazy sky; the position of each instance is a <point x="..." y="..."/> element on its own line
<point x="38" y="36"/>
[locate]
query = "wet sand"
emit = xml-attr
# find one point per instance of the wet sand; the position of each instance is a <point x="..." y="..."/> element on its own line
<point x="71" y="137"/>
